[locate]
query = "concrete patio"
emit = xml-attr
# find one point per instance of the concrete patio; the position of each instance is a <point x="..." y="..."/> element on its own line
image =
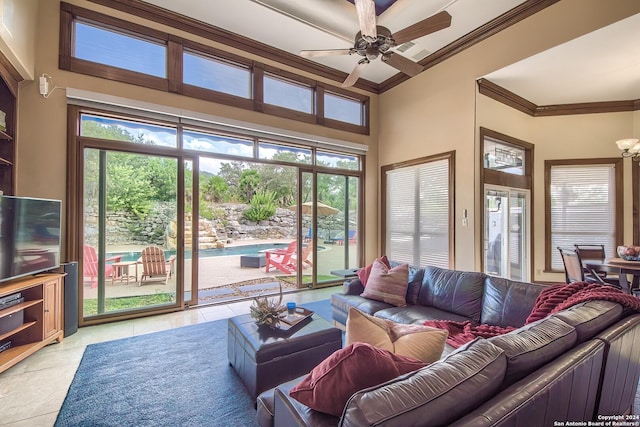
<point x="222" y="278"/>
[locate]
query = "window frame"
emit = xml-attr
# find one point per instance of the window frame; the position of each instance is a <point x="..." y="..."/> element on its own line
<point x="617" y="163"/>
<point x="174" y="83"/>
<point x="206" y="94"/>
<point x="449" y="156"/>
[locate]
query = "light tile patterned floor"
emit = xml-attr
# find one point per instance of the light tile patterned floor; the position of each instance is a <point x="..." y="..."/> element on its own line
<point x="32" y="391"/>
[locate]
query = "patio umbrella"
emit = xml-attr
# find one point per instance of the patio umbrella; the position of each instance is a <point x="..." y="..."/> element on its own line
<point x="323" y="210"/>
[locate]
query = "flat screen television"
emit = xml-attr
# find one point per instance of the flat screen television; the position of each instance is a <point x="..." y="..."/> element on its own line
<point x="29" y="236"/>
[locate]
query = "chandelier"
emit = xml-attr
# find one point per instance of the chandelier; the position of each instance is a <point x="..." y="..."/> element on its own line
<point x="630" y="147"/>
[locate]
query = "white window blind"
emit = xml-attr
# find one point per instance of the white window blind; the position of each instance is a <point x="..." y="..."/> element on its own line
<point x="582" y="208"/>
<point x="418" y="214"/>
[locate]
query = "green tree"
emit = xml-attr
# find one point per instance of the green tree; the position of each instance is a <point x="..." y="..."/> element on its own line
<point x="213" y="188"/>
<point x="249" y="183"/>
<point x="231" y="173"/>
<point x="134" y="181"/>
<point x="129" y="190"/>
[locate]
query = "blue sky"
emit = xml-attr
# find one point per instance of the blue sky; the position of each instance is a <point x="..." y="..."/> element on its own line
<point x="143" y="56"/>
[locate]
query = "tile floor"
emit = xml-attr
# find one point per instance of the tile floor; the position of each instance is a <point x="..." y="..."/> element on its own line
<point x="32" y="391"/>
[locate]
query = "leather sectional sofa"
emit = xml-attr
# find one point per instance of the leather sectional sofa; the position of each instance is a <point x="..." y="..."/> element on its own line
<point x="579" y="364"/>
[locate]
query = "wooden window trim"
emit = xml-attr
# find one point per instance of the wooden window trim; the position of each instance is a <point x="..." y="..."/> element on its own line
<point x="618" y="164"/>
<point x="450" y="156"/>
<point x="174" y="81"/>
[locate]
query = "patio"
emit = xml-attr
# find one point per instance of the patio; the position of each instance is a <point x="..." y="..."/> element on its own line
<point x="222" y="278"/>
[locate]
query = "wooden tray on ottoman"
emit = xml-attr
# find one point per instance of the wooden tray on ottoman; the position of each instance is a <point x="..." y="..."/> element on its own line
<point x="301" y="314"/>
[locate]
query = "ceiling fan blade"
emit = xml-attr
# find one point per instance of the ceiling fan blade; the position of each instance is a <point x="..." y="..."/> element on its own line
<point x="366" y="10"/>
<point x="403" y="64"/>
<point x="329" y="52"/>
<point x="355" y="74"/>
<point x="430" y="25"/>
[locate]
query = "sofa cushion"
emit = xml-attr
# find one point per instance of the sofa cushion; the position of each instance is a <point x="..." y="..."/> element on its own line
<point x="459" y="292"/>
<point x="420" y="342"/>
<point x="387" y="284"/>
<point x="415" y="281"/>
<point x="417" y="314"/>
<point x="508" y="303"/>
<point x="365" y="272"/>
<point x="355" y="367"/>
<point x="435" y="395"/>
<point x="340" y="305"/>
<point x="533" y="345"/>
<point x="591" y="317"/>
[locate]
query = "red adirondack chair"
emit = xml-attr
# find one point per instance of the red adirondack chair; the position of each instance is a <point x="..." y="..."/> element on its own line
<point x="90" y="265"/>
<point x="285" y="260"/>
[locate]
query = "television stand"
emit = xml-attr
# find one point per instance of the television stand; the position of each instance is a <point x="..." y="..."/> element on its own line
<point x="34" y="322"/>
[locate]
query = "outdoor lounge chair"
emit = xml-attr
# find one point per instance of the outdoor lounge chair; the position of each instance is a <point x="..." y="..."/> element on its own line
<point x="286" y="260"/>
<point x="340" y="240"/>
<point x="306" y="262"/>
<point x="154" y="264"/>
<point x="90" y="265"/>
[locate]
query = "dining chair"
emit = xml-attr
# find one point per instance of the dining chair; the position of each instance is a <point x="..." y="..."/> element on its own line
<point x="573" y="270"/>
<point x="595" y="252"/>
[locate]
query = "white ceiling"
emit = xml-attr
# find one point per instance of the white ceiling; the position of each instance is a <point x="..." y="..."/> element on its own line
<point x="601" y="66"/>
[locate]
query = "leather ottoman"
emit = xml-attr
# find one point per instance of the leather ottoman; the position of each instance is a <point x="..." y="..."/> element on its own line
<point x="265" y="358"/>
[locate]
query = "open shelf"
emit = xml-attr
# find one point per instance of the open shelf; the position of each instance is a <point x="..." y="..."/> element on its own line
<point x="5" y="136"/>
<point x="15" y="354"/>
<point x="42" y="311"/>
<point x="16" y="308"/>
<point x="15" y="331"/>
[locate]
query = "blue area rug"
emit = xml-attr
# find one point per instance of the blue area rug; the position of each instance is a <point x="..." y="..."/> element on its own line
<point x="179" y="377"/>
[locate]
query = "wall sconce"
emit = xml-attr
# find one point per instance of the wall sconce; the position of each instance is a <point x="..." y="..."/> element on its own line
<point x="630" y="147"/>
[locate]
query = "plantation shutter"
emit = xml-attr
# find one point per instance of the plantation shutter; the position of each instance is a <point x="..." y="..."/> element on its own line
<point x="582" y="208"/>
<point x="418" y="214"/>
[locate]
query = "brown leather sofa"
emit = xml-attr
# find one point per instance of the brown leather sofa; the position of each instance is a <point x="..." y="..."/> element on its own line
<point x="580" y="364"/>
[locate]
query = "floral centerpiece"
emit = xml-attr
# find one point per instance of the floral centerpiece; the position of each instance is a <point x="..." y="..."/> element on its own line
<point x="267" y="311"/>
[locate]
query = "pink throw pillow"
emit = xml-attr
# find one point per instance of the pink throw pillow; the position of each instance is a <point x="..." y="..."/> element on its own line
<point x="363" y="273"/>
<point x="387" y="284"/>
<point x="355" y="367"/>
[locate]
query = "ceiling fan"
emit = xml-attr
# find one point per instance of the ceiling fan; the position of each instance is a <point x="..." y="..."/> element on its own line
<point x="373" y="40"/>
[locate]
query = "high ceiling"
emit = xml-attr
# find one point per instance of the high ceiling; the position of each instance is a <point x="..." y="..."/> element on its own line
<point x="601" y="66"/>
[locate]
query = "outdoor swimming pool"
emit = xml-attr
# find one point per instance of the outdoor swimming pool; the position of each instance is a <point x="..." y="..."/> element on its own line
<point x="206" y="253"/>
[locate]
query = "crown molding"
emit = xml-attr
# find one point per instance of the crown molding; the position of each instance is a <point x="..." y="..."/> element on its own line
<point x="504" y="96"/>
<point x="507" y="19"/>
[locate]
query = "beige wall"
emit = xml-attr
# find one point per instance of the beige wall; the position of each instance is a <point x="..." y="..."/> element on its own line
<point x="554" y="138"/>
<point x="18" y="31"/>
<point x="429" y="114"/>
<point x="42" y="122"/>
<point x="436" y="112"/>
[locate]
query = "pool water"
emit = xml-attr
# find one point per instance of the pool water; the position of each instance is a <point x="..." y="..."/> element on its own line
<point x="205" y="253"/>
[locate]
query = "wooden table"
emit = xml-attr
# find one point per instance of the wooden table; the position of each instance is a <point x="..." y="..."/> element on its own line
<point x="620" y="267"/>
<point x="121" y="271"/>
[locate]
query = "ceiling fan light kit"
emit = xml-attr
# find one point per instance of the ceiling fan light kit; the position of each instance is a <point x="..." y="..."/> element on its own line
<point x="373" y="41"/>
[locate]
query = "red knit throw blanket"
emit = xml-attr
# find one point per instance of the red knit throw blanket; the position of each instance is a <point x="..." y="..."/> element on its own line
<point x="551" y="300"/>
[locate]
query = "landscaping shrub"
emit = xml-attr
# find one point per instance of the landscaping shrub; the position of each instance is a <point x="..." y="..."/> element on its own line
<point x="262" y="206"/>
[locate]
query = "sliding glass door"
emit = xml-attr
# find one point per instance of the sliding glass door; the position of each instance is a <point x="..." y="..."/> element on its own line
<point x="506" y="232"/>
<point x="129" y="257"/>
